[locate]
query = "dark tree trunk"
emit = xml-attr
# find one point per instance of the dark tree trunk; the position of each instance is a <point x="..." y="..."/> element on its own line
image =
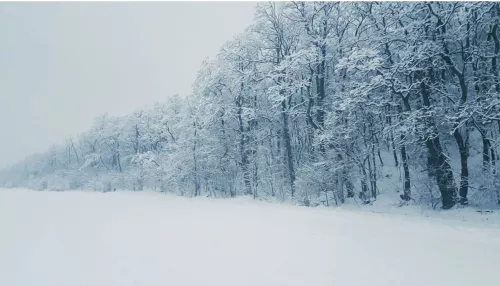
<point x="394" y="154"/>
<point x="320" y="85"/>
<point x="406" y="186"/>
<point x="437" y="162"/>
<point x="464" y="170"/>
<point x="374" y="178"/>
<point x="459" y="138"/>
<point x="288" y="148"/>
<point x="363" y="195"/>
<point x="486" y="152"/>
<point x="494" y="157"/>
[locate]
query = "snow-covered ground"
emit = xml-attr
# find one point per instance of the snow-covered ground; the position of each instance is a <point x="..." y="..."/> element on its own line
<point x="125" y="238"/>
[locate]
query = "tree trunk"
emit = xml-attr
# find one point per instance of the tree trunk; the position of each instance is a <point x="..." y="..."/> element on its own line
<point x="437" y="161"/>
<point x="363" y="195"/>
<point x="195" y="162"/>
<point x="462" y="144"/>
<point x="288" y="147"/>
<point x="406" y="186"/>
<point x="243" y="147"/>
<point x="464" y="169"/>
<point x="388" y="120"/>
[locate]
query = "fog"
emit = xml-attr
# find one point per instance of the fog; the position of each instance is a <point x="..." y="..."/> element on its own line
<point x="62" y="64"/>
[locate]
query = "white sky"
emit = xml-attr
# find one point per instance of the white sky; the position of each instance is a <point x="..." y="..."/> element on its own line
<point x="62" y="64"/>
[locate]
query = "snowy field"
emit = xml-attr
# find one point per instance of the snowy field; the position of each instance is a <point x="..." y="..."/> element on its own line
<point x="125" y="238"/>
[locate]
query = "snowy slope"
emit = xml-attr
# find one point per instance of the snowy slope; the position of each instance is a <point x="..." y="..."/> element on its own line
<point x="125" y="238"/>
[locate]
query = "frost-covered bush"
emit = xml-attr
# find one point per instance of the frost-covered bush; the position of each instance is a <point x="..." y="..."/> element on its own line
<point x="100" y="183"/>
<point x="486" y="193"/>
<point x="322" y="183"/>
<point x="56" y="182"/>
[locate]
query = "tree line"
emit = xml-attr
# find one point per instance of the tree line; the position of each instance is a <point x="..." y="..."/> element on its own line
<point x="317" y="102"/>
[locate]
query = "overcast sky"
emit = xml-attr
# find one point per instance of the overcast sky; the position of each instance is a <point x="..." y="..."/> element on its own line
<point x="62" y="64"/>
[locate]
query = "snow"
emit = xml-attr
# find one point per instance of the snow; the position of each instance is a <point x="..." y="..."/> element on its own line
<point x="126" y="238"/>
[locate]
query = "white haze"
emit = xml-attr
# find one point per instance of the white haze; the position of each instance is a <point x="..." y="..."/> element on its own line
<point x="62" y="64"/>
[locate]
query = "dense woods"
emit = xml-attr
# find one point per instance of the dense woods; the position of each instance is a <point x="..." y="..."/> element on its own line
<point x="317" y="103"/>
